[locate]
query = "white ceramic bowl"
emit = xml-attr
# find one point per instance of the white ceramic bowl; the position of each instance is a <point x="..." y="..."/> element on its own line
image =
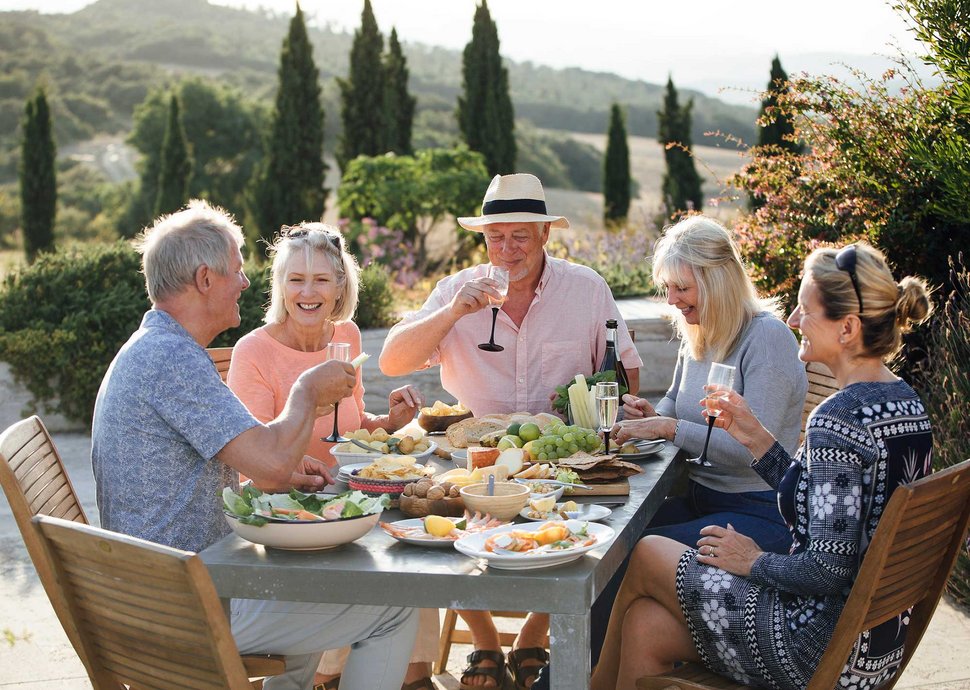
<point x="363" y="456"/>
<point x="505" y="504"/>
<point x="550" y="489"/>
<point x="305" y="536"/>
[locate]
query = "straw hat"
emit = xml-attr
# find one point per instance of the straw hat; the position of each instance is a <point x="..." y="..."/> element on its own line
<point x="513" y="199"/>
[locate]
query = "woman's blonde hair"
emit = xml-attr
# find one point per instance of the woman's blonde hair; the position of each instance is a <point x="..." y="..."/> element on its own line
<point x="726" y="297"/>
<point x="313" y="239"/>
<point x="889" y="309"/>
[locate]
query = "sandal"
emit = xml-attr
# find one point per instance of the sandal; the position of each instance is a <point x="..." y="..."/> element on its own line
<point x="332" y="684"/>
<point x="419" y="684"/>
<point x="525" y="675"/>
<point x="497" y="673"/>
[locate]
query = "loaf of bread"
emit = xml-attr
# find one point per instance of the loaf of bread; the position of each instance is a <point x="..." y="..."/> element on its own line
<point x="468" y="432"/>
<point x="481" y="457"/>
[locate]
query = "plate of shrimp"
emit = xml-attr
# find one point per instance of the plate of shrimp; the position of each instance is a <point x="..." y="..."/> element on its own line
<point x="415" y="531"/>
<point x="523" y="547"/>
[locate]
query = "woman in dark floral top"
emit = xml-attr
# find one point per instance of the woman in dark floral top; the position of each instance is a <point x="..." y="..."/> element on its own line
<point x="761" y="618"/>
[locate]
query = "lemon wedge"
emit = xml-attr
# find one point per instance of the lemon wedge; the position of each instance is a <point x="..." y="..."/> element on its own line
<point x="438" y="526"/>
<point x="543" y="505"/>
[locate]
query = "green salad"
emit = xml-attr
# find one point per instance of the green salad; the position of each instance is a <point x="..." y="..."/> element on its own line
<point x="253" y="507"/>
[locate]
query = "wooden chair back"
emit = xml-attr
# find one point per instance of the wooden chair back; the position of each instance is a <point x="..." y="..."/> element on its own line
<point x="35" y="483"/>
<point x="906" y="567"/>
<point x="821" y="384"/>
<point x="148" y="615"/>
<point x="221" y="356"/>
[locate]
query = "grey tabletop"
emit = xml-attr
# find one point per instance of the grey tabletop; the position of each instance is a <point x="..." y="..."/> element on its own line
<point x="377" y="569"/>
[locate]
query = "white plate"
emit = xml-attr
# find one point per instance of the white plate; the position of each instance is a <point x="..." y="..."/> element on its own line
<point x="590" y="511"/>
<point x="347" y="459"/>
<point x="649" y="448"/>
<point x="346" y="473"/>
<point x="426" y="540"/>
<point x="473" y="545"/>
<point x="305" y="536"/>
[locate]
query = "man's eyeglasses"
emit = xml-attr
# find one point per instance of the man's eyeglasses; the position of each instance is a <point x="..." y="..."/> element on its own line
<point x="296" y="232"/>
<point x="845" y="260"/>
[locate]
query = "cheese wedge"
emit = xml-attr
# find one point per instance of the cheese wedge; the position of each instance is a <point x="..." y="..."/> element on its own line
<point x="482" y="457"/>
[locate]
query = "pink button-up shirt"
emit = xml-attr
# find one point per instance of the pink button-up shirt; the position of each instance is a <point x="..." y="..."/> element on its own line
<point x="563" y="334"/>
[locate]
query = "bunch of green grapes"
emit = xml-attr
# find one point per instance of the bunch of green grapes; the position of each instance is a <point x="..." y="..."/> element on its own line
<point x="561" y="441"/>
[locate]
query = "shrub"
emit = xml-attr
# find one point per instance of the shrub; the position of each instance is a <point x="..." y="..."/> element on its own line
<point x="375" y="307"/>
<point x="63" y="319"/>
<point x="946" y="391"/>
<point x="618" y="254"/>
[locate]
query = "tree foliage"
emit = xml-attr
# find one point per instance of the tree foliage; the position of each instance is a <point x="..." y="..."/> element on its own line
<point x="362" y="94"/>
<point x="224" y="132"/>
<point x="176" y="164"/>
<point x="289" y="187"/>
<point x="413" y="193"/>
<point x="38" y="178"/>
<point x="398" y="101"/>
<point x="681" y="186"/>
<point x="616" y="169"/>
<point x="485" y="115"/>
<point x="776" y="131"/>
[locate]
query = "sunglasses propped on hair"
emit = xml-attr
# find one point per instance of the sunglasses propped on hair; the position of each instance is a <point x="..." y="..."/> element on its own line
<point x="845" y="260"/>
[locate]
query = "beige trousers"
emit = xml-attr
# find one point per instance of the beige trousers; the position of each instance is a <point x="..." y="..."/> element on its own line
<point x="425" y="646"/>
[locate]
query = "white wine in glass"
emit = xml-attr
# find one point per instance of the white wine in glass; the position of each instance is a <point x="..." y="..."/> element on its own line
<point x="341" y="353"/>
<point x="501" y="277"/>
<point x="721" y="379"/>
<point x="607" y="394"/>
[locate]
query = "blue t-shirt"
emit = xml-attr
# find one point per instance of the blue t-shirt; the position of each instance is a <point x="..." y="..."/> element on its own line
<point x="161" y="416"/>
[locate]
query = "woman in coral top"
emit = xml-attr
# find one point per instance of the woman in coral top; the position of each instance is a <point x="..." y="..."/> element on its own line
<point x="314" y="294"/>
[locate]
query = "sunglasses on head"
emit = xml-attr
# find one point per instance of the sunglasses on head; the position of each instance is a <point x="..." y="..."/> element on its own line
<point x="296" y="232"/>
<point x="845" y="260"/>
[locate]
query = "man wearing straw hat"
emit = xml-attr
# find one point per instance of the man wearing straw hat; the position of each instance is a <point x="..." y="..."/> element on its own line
<point x="551" y="326"/>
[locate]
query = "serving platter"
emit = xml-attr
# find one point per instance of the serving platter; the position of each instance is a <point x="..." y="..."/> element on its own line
<point x="473" y="546"/>
<point x="587" y="511"/>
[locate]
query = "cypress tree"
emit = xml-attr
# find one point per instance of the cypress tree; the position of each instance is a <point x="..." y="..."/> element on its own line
<point x="485" y="114"/>
<point x="616" y="169"/>
<point x="173" y="180"/>
<point x="398" y="103"/>
<point x="289" y="188"/>
<point x="681" y="184"/>
<point x="362" y="94"/>
<point x="38" y="177"/>
<point x="775" y="135"/>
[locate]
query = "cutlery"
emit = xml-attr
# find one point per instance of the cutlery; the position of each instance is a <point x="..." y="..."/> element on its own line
<point x="554" y="482"/>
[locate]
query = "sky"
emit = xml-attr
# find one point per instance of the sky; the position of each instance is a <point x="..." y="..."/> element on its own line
<point x="702" y="44"/>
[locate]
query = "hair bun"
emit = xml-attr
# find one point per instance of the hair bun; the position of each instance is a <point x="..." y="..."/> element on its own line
<point x="914" y="305"/>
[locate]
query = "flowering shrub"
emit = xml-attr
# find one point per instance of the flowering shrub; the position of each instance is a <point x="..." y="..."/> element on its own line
<point x="620" y="255"/>
<point x="373" y="243"/>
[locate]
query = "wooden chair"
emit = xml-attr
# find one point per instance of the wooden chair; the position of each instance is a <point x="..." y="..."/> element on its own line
<point x="907" y="566"/>
<point x="221" y="356"/>
<point x="34" y="480"/>
<point x="821" y="384"/>
<point x="148" y="615"/>
<point x="452" y="634"/>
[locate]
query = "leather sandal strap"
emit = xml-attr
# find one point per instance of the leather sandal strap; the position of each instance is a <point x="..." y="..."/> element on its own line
<point x="496" y="673"/>
<point x="419" y="684"/>
<point x="521" y="674"/>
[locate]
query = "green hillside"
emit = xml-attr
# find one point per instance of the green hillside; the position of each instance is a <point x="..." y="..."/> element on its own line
<point x="102" y="60"/>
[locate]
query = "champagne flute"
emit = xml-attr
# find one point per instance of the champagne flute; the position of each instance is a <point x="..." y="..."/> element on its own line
<point x="341" y="353"/>
<point x="607" y="394"/>
<point x="501" y="277"/>
<point x="721" y="377"/>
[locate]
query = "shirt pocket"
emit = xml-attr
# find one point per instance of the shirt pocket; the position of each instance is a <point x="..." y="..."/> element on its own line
<point x="562" y="360"/>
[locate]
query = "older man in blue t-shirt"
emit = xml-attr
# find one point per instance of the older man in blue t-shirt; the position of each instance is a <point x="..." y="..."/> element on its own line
<point x="168" y="436"/>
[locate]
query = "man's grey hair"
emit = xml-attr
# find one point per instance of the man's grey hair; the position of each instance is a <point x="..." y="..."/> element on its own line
<point x="176" y="245"/>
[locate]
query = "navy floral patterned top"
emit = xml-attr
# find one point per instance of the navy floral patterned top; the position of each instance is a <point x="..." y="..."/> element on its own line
<point x="771" y="628"/>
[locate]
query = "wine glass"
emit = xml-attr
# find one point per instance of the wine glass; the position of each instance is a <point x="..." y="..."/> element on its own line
<point x="341" y="353"/>
<point x="607" y="394"/>
<point x="721" y="377"/>
<point x="501" y="277"/>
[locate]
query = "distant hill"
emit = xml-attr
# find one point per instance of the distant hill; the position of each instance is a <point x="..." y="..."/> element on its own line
<point x="151" y="41"/>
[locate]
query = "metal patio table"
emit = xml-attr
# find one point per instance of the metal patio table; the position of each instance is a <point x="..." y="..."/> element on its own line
<point x="376" y="569"/>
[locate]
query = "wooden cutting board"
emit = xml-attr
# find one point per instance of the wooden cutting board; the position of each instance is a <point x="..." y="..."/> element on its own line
<point x="617" y="488"/>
